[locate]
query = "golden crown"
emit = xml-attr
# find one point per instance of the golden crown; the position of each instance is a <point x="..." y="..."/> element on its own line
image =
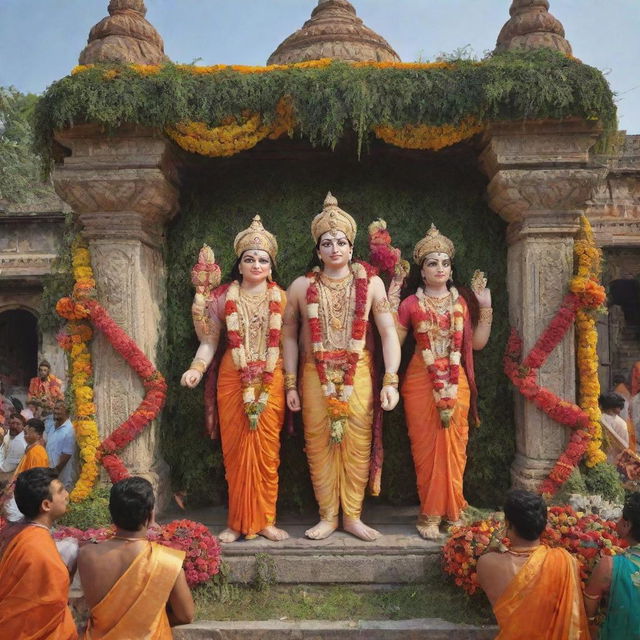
<point x="433" y="242"/>
<point x="333" y="219"/>
<point x="256" y="237"/>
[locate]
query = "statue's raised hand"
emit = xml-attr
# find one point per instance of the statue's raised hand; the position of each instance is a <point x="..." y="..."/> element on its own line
<point x="479" y="288"/>
<point x="191" y="378"/>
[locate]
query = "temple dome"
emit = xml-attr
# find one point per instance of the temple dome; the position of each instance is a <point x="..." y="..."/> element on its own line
<point x="124" y="36"/>
<point x="334" y="31"/>
<point x="531" y="26"/>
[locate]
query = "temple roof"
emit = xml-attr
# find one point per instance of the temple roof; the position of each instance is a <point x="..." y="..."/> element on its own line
<point x="334" y="31"/>
<point x="531" y="26"/>
<point x="124" y="36"/>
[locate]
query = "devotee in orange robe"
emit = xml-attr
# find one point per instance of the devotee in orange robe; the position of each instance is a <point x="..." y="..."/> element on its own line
<point x="439" y="387"/>
<point x="250" y="384"/>
<point x="534" y="590"/>
<point x="45" y="388"/>
<point x="34" y="587"/>
<point x="134" y="588"/>
<point x="328" y="315"/>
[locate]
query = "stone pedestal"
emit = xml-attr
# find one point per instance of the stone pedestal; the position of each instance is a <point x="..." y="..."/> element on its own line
<point x="123" y="192"/>
<point x="540" y="179"/>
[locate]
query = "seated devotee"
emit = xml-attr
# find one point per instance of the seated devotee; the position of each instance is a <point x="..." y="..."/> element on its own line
<point x="534" y="590"/>
<point x="12" y="448"/>
<point x="34" y="588"/>
<point x="35" y="455"/>
<point x="611" y="404"/>
<point x="618" y="578"/>
<point x="61" y="445"/>
<point x="134" y="588"/>
<point x="45" y="388"/>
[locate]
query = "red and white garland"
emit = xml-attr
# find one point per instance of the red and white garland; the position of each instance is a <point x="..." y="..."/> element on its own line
<point x="338" y="397"/>
<point x="445" y="381"/>
<point x="254" y="374"/>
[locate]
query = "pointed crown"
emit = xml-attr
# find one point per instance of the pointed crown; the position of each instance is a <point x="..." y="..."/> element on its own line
<point x="433" y="242"/>
<point x="256" y="237"/>
<point x="333" y="219"/>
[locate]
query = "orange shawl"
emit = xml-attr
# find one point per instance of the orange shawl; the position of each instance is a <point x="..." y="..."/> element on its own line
<point x="544" y="600"/>
<point x="34" y="588"/>
<point x="35" y="456"/>
<point x="135" y="605"/>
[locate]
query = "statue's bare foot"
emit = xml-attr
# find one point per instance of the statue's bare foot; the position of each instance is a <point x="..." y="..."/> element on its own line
<point x="356" y="527"/>
<point x="429" y="531"/>
<point x="273" y="533"/>
<point x="321" y="531"/>
<point x="229" y="535"/>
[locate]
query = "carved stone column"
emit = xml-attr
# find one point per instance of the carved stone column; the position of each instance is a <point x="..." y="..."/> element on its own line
<point x="122" y="189"/>
<point x="540" y="180"/>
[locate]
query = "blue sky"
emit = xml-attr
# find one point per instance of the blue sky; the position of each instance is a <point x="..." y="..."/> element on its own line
<point x="40" y="39"/>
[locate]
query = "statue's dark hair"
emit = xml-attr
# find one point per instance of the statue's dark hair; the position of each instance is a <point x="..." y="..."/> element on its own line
<point x="33" y="486"/>
<point x="526" y="512"/>
<point x="631" y="513"/>
<point x="131" y="503"/>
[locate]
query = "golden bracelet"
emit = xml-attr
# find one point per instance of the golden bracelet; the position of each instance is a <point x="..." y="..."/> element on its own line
<point x="486" y="315"/>
<point x="390" y="380"/>
<point x="199" y="365"/>
<point x="290" y="381"/>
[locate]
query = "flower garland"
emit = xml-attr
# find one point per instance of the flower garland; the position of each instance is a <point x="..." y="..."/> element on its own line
<point x="586" y="537"/>
<point x="83" y="306"/>
<point x="444" y="379"/>
<point x="586" y="294"/>
<point x="382" y="255"/>
<point x="234" y="134"/>
<point x="202" y="560"/>
<point x="254" y="374"/>
<point x="434" y="138"/>
<point x="75" y="340"/>
<point x="338" y="389"/>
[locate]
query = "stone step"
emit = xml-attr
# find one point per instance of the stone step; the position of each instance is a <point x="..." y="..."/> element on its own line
<point x="420" y="629"/>
<point x="399" y="556"/>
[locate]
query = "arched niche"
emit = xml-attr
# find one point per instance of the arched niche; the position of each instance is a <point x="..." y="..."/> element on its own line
<point x="19" y="337"/>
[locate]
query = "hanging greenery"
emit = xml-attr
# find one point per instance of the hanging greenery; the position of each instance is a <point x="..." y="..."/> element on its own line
<point x="222" y="110"/>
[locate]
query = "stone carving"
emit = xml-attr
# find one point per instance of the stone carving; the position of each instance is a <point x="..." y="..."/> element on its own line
<point x="124" y="36"/>
<point x="531" y="26"/>
<point x="334" y="31"/>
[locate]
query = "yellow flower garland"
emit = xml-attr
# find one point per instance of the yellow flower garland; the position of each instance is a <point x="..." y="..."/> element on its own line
<point x="588" y="257"/>
<point x="86" y="428"/>
<point x="232" y="136"/>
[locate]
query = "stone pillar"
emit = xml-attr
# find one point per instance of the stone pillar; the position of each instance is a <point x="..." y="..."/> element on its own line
<point x="122" y="189"/>
<point x="540" y="180"/>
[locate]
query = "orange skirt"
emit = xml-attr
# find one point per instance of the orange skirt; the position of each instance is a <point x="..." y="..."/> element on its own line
<point x="251" y="458"/>
<point x="439" y="454"/>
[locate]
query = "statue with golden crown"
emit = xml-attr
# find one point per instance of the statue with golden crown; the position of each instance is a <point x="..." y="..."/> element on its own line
<point x="248" y="312"/>
<point x="438" y="389"/>
<point x="325" y="338"/>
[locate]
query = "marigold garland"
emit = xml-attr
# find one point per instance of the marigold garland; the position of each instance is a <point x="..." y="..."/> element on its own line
<point x="585" y="295"/>
<point x="83" y="306"/>
<point x="338" y="388"/>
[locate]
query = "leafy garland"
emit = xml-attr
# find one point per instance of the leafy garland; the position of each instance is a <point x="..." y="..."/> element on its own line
<point x="223" y="109"/>
<point x="81" y="307"/>
<point x="585" y="295"/>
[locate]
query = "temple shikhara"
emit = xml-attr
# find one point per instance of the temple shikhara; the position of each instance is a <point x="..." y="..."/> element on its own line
<point x="504" y="257"/>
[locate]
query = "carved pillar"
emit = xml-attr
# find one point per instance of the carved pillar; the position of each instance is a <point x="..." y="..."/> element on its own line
<point x="540" y="179"/>
<point x="123" y="192"/>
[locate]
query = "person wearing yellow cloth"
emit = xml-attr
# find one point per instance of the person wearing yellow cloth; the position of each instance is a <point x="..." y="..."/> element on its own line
<point x="133" y="588"/>
<point x="332" y="306"/>
<point x="250" y="384"/>
<point x="534" y="590"/>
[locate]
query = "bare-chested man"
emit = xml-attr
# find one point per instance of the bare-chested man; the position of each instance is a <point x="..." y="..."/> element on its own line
<point x="332" y="308"/>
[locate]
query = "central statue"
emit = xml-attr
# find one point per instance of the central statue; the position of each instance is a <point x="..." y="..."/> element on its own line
<point x="326" y="318"/>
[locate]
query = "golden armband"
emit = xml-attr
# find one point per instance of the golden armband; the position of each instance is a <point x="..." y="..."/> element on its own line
<point x="290" y="381"/>
<point x="390" y="380"/>
<point x="486" y="315"/>
<point x="199" y="365"/>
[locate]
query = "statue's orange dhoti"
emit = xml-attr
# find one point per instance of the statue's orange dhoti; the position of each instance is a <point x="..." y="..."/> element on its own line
<point x="34" y="587"/>
<point x="135" y="607"/>
<point x="544" y="600"/>
<point x="331" y="307"/>
<point x="249" y="385"/>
